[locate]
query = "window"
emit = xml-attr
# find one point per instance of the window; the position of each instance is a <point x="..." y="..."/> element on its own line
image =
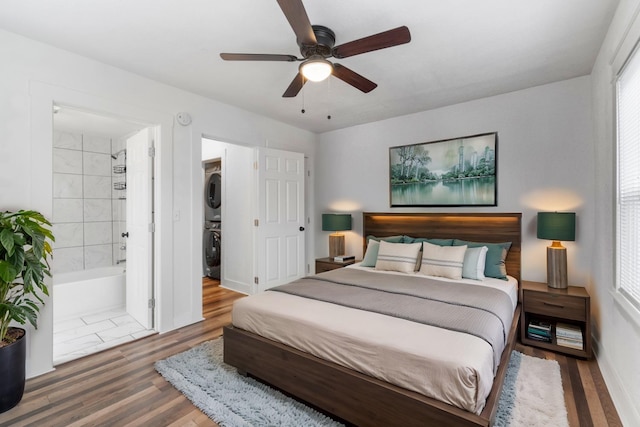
<point x="628" y="191"/>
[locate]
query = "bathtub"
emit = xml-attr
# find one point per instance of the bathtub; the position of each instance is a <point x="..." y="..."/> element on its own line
<point x="79" y="293"/>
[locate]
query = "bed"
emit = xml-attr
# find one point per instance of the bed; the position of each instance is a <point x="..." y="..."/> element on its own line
<point x="351" y="392"/>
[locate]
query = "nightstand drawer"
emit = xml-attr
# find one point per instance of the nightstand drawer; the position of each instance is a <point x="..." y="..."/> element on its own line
<point x="564" y="306"/>
<point x="328" y="264"/>
<point x="321" y="267"/>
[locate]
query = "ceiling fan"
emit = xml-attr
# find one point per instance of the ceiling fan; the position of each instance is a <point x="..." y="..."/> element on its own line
<point x="317" y="44"/>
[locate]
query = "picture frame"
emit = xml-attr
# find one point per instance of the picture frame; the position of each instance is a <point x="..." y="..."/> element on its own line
<point x="450" y="172"/>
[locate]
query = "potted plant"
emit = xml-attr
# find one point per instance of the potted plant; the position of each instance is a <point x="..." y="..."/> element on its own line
<point x="24" y="247"/>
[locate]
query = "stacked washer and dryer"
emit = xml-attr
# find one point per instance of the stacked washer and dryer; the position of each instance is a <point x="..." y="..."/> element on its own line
<point x="212" y="219"/>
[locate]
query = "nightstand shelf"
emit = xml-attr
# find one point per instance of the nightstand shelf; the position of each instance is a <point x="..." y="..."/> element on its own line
<point x="570" y="306"/>
<point x="327" y="264"/>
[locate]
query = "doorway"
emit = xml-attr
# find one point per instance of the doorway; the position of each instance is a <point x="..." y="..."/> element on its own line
<point x="250" y="180"/>
<point x="102" y="193"/>
<point x="230" y="220"/>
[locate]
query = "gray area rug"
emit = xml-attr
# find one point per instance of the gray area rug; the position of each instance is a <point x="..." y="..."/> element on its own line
<point x="532" y="393"/>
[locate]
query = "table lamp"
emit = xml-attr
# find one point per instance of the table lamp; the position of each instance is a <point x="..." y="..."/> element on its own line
<point x="337" y="223"/>
<point x="557" y="226"/>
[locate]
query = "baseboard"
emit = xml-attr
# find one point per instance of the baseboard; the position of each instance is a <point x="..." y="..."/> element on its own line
<point x="627" y="409"/>
<point x="236" y="286"/>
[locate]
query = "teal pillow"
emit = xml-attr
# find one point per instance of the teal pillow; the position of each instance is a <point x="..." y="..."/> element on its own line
<point x="390" y="239"/>
<point x="496" y="254"/>
<point x="439" y="242"/>
<point x="371" y="256"/>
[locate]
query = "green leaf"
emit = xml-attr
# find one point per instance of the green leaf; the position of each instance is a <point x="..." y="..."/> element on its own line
<point x="30" y="311"/>
<point x="37" y="245"/>
<point x="7" y="240"/>
<point x="8" y="272"/>
<point x="17" y="259"/>
<point x="19" y="239"/>
<point x="27" y="278"/>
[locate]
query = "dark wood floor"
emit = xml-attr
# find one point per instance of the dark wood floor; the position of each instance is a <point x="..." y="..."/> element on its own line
<point x="119" y="387"/>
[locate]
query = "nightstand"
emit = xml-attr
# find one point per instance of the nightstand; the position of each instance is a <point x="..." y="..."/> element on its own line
<point x="326" y="264"/>
<point x="548" y="306"/>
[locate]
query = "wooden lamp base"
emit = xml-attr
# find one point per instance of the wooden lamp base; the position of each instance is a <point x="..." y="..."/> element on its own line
<point x="557" y="266"/>
<point x="336" y="245"/>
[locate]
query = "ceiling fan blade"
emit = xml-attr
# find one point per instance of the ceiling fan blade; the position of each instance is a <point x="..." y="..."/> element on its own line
<point x="382" y="40"/>
<point x="354" y="79"/>
<point x="256" y="57"/>
<point x="296" y="14"/>
<point x="295" y="86"/>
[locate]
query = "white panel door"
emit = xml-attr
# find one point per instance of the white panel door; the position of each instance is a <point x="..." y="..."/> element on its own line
<point x="237" y="218"/>
<point x="139" y="219"/>
<point x="280" y="241"/>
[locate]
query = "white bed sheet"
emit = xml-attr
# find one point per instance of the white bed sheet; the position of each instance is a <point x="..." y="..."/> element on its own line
<point x="453" y="367"/>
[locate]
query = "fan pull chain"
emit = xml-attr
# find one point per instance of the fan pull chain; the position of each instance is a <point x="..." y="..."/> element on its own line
<point x="329" y="98"/>
<point x="303" y="90"/>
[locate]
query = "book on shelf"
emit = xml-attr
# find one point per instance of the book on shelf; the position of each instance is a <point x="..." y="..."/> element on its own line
<point x="538" y="324"/>
<point x="540" y="338"/>
<point x="541" y="328"/>
<point x="538" y="331"/>
<point x="571" y="343"/>
<point x="344" y="258"/>
<point x="537" y="334"/>
<point x="565" y="330"/>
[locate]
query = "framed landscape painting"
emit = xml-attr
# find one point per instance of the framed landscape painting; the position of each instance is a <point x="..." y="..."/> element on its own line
<point x="452" y="172"/>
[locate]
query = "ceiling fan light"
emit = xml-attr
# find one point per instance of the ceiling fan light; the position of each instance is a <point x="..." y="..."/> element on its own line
<point x="316" y="69"/>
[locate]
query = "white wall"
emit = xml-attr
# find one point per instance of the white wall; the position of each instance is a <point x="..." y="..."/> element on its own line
<point x="38" y="75"/>
<point x="545" y="159"/>
<point x="616" y="323"/>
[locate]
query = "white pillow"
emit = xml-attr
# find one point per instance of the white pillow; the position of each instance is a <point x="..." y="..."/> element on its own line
<point x="398" y="256"/>
<point x="474" y="260"/>
<point x="442" y="261"/>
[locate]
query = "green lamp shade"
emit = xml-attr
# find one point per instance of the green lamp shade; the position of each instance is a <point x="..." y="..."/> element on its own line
<point x="559" y="226"/>
<point x="336" y="222"/>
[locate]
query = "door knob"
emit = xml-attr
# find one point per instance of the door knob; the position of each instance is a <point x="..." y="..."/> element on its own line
<point x="301" y="228"/>
<point x="125" y="234"/>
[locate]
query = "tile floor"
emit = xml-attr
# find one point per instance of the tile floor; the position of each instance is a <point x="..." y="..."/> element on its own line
<point x="75" y="338"/>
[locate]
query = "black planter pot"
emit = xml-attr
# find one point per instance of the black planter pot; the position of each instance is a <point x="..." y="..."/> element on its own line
<point x="12" y="372"/>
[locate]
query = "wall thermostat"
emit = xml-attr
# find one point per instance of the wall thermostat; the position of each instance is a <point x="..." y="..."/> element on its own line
<point x="183" y="118"/>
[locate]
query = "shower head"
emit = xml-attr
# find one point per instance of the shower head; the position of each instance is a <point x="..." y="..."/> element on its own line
<point x="115" y="156"/>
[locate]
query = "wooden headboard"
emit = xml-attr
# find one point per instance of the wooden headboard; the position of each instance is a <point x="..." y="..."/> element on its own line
<point x="474" y="227"/>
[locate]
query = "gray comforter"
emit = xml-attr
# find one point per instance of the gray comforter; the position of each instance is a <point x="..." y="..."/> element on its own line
<point x="477" y="310"/>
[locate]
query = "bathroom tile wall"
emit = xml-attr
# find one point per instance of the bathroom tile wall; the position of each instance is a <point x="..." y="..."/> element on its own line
<point x="119" y="202"/>
<point x="82" y="202"/>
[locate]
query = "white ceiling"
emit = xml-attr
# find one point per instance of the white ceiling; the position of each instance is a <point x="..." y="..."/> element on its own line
<point x="460" y="49"/>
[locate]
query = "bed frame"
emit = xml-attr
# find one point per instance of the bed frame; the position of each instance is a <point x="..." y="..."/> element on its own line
<point x="357" y="398"/>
